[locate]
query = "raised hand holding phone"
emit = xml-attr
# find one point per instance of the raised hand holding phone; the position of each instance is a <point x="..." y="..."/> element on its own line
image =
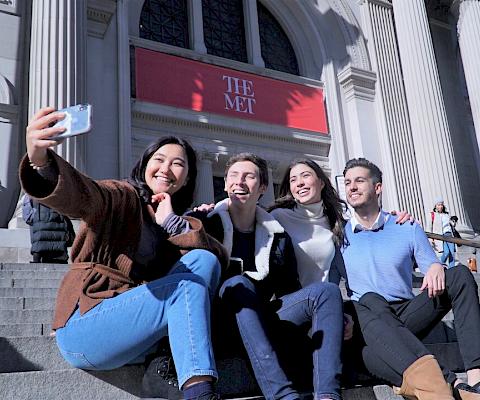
<point x="77" y="121"/>
<point x="39" y="134"/>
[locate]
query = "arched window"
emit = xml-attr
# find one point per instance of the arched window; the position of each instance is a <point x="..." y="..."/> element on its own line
<point x="165" y="21"/>
<point x="277" y="51"/>
<point x="223" y="29"/>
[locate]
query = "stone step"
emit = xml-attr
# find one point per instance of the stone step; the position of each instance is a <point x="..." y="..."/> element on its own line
<point x="29" y="274"/>
<point x="23" y="330"/>
<point x="28" y="292"/>
<point x="30" y="283"/>
<point x="33" y="267"/>
<point x="27" y="303"/>
<point x="30" y="354"/>
<point x="121" y="384"/>
<point x="26" y="316"/>
<point x="41" y="353"/>
<point x="74" y="384"/>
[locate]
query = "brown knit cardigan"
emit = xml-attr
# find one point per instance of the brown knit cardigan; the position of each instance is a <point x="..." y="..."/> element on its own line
<point x="102" y="254"/>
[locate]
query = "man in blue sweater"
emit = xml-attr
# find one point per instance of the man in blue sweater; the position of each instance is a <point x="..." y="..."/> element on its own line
<point x="379" y="256"/>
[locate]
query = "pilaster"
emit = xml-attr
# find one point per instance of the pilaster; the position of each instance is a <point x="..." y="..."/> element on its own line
<point x="358" y="87"/>
<point x="268" y="197"/>
<point x="431" y="133"/>
<point x="392" y="109"/>
<point x="204" y="192"/>
<point x="468" y="30"/>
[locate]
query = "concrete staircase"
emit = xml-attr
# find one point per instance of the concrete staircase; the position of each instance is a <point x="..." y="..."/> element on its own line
<point x="32" y="368"/>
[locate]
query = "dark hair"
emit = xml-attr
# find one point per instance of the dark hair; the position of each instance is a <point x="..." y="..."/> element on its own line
<point x="375" y="172"/>
<point x="444" y="209"/>
<point x="258" y="161"/>
<point x="181" y="199"/>
<point x="333" y="205"/>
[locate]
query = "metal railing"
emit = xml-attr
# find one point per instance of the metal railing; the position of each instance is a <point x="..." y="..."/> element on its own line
<point x="451" y="239"/>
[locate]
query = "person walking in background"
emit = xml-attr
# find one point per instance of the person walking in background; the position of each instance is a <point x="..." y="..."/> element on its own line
<point x="50" y="232"/>
<point x="440" y="224"/>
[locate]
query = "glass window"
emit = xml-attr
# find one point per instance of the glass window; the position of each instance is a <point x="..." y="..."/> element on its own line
<point x="165" y="21"/>
<point x="223" y="29"/>
<point x="277" y="51"/>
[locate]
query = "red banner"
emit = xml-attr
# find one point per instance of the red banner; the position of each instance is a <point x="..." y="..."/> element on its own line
<point x="180" y="82"/>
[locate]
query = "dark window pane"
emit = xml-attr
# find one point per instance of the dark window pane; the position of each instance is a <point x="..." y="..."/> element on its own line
<point x="223" y="29"/>
<point x="277" y="51"/>
<point x="165" y="21"/>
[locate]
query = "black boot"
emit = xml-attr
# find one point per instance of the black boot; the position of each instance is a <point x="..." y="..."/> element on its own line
<point x="160" y="379"/>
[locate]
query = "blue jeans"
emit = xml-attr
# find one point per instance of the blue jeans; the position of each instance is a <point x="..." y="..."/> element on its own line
<point x="318" y="305"/>
<point x="448" y="252"/>
<point x="121" y="329"/>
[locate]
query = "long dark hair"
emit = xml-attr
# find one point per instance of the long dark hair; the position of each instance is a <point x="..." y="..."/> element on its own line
<point x="333" y="205"/>
<point x="444" y="209"/>
<point x="181" y="199"/>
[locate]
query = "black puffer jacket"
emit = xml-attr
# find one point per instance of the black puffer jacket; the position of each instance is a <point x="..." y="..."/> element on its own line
<point x="50" y="232"/>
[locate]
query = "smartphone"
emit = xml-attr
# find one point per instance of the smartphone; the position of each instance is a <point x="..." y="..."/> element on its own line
<point x="78" y="120"/>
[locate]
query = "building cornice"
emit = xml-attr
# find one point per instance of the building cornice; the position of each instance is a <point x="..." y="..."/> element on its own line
<point x="381" y="3"/>
<point x="151" y="116"/>
<point x="99" y="14"/>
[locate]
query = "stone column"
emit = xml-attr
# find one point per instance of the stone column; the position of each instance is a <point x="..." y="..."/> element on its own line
<point x="57" y="64"/>
<point x="392" y="104"/>
<point x="468" y="30"/>
<point x="269" y="196"/>
<point x="252" y="34"/>
<point x="204" y="192"/>
<point x="431" y="133"/>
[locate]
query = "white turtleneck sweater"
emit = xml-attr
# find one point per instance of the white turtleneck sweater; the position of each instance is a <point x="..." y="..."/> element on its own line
<point x="312" y="240"/>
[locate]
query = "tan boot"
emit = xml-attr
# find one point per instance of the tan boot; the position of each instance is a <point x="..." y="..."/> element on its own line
<point x="423" y="380"/>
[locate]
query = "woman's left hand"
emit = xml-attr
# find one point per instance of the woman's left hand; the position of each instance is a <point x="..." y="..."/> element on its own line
<point x="402" y="217"/>
<point x="347" y="326"/>
<point x="164" y="207"/>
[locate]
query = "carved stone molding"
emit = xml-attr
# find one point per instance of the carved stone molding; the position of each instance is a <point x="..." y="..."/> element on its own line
<point x="218" y="126"/>
<point x="10" y="6"/>
<point x="9" y="113"/>
<point x="358" y="83"/>
<point x="356" y="47"/>
<point x="381" y="3"/>
<point x="99" y="14"/>
<point x="6" y="92"/>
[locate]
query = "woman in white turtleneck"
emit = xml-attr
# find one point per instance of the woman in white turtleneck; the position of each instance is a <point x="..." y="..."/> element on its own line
<point x="310" y="210"/>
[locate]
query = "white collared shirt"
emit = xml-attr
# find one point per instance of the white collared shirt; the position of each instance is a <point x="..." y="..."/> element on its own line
<point x="382" y="217"/>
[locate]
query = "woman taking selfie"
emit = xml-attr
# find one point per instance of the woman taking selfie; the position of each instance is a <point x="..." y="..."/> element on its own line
<point x="140" y="270"/>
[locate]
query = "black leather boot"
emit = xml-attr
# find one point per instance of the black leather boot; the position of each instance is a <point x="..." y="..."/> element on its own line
<point x="160" y="378"/>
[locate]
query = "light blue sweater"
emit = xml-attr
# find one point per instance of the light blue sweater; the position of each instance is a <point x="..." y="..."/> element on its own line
<point x="381" y="260"/>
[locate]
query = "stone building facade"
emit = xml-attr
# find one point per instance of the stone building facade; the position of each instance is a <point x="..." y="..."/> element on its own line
<point x="398" y="80"/>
